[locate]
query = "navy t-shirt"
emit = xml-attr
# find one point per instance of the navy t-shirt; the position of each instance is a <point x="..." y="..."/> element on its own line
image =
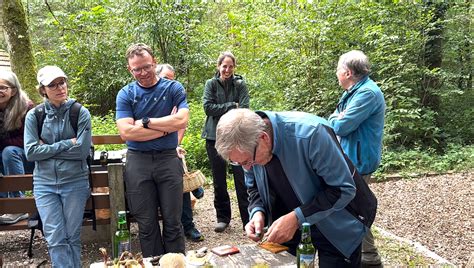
<point x="137" y="102"/>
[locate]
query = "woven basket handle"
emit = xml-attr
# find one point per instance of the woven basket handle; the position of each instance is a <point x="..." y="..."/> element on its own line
<point x="185" y="167"/>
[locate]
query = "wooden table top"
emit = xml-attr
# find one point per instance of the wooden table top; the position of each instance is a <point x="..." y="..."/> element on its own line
<point x="251" y="255"/>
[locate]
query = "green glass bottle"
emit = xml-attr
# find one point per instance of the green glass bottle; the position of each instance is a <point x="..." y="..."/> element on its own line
<point x="122" y="235"/>
<point x="305" y="253"/>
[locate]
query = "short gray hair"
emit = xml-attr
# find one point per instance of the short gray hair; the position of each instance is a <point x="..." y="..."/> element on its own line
<point x="164" y="66"/>
<point x="357" y="62"/>
<point x="238" y="129"/>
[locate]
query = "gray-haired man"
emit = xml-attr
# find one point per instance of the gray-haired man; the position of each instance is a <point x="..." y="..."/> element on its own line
<point x="296" y="172"/>
<point x="358" y="121"/>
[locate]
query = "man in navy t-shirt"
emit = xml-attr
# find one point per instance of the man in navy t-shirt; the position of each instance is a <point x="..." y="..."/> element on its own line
<point x="153" y="172"/>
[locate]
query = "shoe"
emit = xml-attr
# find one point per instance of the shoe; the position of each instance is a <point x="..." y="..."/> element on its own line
<point x="12" y="218"/>
<point x="371" y="259"/>
<point x="220" y="227"/>
<point x="194" y="235"/>
<point x="198" y="193"/>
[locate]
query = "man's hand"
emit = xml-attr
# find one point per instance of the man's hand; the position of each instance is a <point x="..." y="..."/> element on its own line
<point x="138" y="123"/>
<point x="74" y="141"/>
<point x="283" y="229"/>
<point x="255" y="226"/>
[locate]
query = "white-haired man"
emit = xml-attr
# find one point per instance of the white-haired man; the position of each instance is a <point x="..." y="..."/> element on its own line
<point x="358" y="121"/>
<point x="296" y="172"/>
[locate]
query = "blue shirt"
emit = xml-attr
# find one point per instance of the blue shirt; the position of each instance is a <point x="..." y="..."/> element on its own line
<point x="137" y="102"/>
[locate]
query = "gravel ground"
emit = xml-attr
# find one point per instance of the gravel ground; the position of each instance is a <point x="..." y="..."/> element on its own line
<point x="435" y="211"/>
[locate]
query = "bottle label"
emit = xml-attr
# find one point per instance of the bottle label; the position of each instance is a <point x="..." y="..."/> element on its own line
<point x="306" y="260"/>
<point x="123" y="246"/>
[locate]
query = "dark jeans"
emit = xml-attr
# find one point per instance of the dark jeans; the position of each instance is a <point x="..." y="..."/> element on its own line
<point x="187" y="215"/>
<point x="221" y="196"/>
<point x="328" y="255"/>
<point x="152" y="179"/>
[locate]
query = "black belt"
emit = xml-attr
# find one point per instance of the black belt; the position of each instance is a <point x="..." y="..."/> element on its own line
<point x="153" y="151"/>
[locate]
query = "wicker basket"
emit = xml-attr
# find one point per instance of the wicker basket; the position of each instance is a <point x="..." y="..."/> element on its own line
<point x="192" y="180"/>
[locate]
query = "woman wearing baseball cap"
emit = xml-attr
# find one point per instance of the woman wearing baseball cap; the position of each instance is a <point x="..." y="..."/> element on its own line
<point x="60" y="177"/>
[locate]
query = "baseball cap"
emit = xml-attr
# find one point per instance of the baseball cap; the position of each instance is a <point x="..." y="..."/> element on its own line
<point x="47" y="74"/>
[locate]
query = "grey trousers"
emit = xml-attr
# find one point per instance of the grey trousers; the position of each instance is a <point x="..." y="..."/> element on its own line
<point x="152" y="179"/>
<point x="368" y="244"/>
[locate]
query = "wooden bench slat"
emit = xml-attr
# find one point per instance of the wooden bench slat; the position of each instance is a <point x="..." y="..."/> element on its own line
<point x="16" y="183"/>
<point x="107" y="139"/>
<point x="25" y="182"/>
<point x="21" y="225"/>
<point x="17" y="205"/>
<point x="27" y="204"/>
<point x="101" y="201"/>
<point x="100" y="179"/>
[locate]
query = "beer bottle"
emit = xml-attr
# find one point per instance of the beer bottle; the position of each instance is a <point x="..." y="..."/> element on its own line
<point x="122" y="235"/>
<point x="305" y="252"/>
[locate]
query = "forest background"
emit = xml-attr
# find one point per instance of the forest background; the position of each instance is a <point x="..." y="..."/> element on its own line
<point x="421" y="53"/>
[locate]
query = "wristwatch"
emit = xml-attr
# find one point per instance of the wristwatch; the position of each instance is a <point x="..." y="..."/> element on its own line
<point x="145" y="122"/>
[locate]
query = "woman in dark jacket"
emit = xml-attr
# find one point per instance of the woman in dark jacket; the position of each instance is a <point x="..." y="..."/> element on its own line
<point x="223" y="92"/>
<point x="14" y="103"/>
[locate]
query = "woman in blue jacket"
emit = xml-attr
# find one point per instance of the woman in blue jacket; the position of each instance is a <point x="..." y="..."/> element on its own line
<point x="60" y="177"/>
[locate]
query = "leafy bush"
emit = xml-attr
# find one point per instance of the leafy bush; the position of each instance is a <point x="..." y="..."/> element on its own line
<point x="105" y="125"/>
<point x="195" y="146"/>
<point x="287" y="53"/>
<point x="419" y="161"/>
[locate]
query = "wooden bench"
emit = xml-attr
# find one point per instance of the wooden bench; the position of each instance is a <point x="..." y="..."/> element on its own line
<point x="113" y="200"/>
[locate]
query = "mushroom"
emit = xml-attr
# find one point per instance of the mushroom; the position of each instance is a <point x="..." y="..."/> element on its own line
<point x="105" y="256"/>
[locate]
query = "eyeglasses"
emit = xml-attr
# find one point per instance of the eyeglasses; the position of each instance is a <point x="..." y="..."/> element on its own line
<point x="145" y="68"/>
<point x="248" y="162"/>
<point x="4" y="88"/>
<point x="56" y="86"/>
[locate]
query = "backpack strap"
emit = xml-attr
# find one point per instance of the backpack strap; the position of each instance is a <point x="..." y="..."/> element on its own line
<point x="40" y="116"/>
<point x="74" y="115"/>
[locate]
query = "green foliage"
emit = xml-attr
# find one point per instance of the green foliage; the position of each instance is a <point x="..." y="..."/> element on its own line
<point x="419" y="161"/>
<point x="105" y="125"/>
<point x="195" y="146"/>
<point x="287" y="52"/>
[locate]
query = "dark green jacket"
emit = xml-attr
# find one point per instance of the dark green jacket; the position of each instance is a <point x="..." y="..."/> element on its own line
<point x="220" y="97"/>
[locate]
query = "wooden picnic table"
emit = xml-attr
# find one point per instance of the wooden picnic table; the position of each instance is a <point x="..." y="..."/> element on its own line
<point x="250" y="255"/>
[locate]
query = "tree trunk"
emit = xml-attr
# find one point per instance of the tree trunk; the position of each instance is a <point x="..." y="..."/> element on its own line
<point x="433" y="55"/>
<point x="19" y="46"/>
